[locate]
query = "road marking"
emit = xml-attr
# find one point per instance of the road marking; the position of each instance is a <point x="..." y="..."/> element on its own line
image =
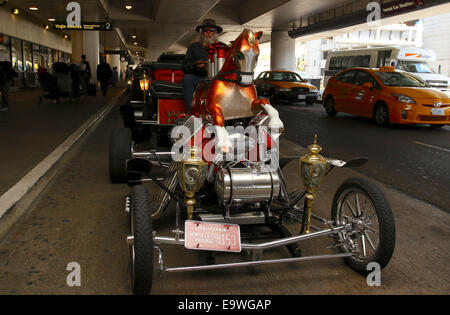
<point x="431" y="146"/>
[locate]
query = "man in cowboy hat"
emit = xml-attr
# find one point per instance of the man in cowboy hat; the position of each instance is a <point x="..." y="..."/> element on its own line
<point x="195" y="63"/>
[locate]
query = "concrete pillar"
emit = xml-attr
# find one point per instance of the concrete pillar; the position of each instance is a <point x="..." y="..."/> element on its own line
<point x="91" y="45"/>
<point x="282" y="55"/>
<point x="77" y="46"/>
<point x="114" y="60"/>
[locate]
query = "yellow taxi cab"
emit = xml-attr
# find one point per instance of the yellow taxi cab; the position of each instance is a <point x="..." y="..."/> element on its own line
<point x="386" y="95"/>
<point x="281" y="85"/>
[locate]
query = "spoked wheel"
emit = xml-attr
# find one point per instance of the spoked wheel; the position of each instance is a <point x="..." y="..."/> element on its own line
<point x="119" y="152"/>
<point x="141" y="246"/>
<point x="371" y="233"/>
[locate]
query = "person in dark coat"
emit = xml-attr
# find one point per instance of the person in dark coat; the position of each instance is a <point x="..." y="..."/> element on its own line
<point x="104" y="75"/>
<point x="85" y="73"/>
<point x="195" y="63"/>
<point x="6" y="76"/>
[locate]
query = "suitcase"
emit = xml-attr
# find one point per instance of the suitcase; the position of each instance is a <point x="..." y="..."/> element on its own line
<point x="92" y="89"/>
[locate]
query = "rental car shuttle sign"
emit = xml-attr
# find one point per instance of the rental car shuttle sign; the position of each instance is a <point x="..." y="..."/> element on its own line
<point x="401" y="6"/>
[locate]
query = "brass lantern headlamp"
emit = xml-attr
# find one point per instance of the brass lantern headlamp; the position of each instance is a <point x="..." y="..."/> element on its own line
<point x="144" y="83"/>
<point x="312" y="169"/>
<point x="191" y="173"/>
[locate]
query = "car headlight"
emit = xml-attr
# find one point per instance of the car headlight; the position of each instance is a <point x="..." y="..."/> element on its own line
<point x="312" y="167"/>
<point x="313" y="89"/>
<point x="403" y="99"/>
<point x="191" y="174"/>
<point x="192" y="171"/>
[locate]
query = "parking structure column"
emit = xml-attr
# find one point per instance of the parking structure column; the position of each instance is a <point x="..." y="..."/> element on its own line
<point x="282" y="56"/>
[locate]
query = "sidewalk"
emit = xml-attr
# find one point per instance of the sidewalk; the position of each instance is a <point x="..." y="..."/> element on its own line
<point x="29" y="131"/>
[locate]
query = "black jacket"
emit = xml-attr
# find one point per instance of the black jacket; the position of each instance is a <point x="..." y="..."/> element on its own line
<point x="8" y="71"/>
<point x="104" y="72"/>
<point x="195" y="53"/>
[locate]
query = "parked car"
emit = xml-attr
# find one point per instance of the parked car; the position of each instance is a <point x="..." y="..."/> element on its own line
<point x="386" y="95"/>
<point x="285" y="86"/>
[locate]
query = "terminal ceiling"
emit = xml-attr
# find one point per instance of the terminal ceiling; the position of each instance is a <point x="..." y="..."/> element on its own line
<point x="169" y="25"/>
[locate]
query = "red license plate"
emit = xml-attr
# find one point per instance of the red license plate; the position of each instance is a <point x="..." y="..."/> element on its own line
<point x="212" y="236"/>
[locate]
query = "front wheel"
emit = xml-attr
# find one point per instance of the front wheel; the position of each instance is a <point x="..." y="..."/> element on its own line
<point x="141" y="248"/>
<point x="361" y="206"/>
<point x="119" y="152"/>
<point x="381" y="115"/>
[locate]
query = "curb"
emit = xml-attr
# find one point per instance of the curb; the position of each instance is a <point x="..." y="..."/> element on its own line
<point x="15" y="202"/>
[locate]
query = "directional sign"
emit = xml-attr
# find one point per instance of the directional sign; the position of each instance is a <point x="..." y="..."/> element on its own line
<point x="84" y="26"/>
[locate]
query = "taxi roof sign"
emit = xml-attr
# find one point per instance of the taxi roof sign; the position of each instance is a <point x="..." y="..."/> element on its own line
<point x="387" y="69"/>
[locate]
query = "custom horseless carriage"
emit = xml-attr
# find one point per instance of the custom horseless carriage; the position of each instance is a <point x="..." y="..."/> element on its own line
<point x="225" y="176"/>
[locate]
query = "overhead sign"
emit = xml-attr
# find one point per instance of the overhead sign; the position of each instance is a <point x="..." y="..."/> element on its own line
<point x="401" y="6"/>
<point x="83" y="26"/>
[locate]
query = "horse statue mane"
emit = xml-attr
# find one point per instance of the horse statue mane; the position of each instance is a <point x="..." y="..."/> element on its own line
<point x="231" y="94"/>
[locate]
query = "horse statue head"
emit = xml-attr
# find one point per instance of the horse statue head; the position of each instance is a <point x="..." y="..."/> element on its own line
<point x="231" y="93"/>
<point x="243" y="57"/>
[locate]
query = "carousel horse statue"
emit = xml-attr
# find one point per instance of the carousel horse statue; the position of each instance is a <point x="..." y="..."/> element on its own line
<point x="231" y="93"/>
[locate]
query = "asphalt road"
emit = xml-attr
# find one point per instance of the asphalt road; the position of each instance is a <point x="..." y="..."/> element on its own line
<point x="412" y="158"/>
<point x="80" y="218"/>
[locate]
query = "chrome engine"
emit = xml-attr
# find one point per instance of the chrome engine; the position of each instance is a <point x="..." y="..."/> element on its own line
<point x="244" y="185"/>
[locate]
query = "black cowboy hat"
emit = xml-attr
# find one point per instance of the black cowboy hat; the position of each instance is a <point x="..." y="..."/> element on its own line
<point x="209" y="23"/>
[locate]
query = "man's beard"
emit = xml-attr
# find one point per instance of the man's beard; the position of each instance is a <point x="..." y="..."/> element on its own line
<point x="208" y="40"/>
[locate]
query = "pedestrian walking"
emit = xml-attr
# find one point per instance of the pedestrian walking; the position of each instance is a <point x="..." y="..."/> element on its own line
<point x="6" y="76"/>
<point x="104" y="74"/>
<point x="115" y="77"/>
<point x="85" y="74"/>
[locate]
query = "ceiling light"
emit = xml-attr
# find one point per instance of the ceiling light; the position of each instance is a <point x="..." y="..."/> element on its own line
<point x="33" y="8"/>
<point x="134" y="36"/>
<point x="135" y="43"/>
<point x="15" y="11"/>
<point x="52" y="20"/>
<point x="128" y="7"/>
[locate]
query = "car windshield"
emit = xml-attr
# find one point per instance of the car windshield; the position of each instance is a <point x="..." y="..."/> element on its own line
<point x="285" y="76"/>
<point x="416" y="67"/>
<point x="399" y="79"/>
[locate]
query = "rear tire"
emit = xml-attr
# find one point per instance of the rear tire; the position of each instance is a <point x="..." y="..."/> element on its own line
<point x="141" y="250"/>
<point x="361" y="203"/>
<point x="329" y="106"/>
<point x="119" y="153"/>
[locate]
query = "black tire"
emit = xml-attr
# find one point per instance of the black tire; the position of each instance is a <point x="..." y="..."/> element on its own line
<point x="381" y="220"/>
<point x="119" y="153"/>
<point x="329" y="106"/>
<point x="437" y="126"/>
<point x="141" y="251"/>
<point x="127" y="113"/>
<point x="381" y="115"/>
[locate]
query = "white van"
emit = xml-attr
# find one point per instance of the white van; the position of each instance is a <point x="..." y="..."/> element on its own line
<point x="411" y="59"/>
